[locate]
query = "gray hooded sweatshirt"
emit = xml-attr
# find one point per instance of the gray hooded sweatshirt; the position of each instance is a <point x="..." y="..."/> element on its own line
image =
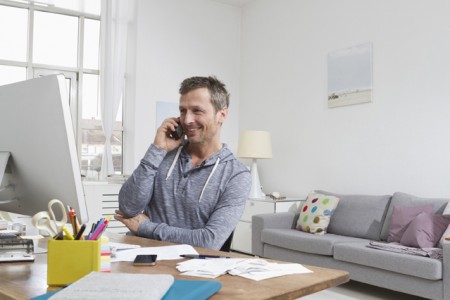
<point x="199" y="205"/>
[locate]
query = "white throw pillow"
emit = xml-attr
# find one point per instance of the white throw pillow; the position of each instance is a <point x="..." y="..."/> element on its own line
<point x="316" y="212"/>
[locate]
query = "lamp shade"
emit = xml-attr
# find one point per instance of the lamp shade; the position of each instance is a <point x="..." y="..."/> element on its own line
<point x="254" y="144"/>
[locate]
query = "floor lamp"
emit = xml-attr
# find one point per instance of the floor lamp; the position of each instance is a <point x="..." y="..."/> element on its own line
<point x="255" y="145"/>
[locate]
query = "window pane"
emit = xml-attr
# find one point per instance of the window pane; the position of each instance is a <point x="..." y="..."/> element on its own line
<point x="55" y="39"/>
<point x="92" y="144"/>
<point x="91" y="102"/>
<point x="92" y="150"/>
<point x="14" y="42"/>
<point x="91" y="43"/>
<point x="87" y="6"/>
<point x="10" y="74"/>
<point x="116" y="150"/>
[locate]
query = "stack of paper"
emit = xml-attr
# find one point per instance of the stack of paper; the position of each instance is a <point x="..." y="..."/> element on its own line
<point x="255" y="269"/>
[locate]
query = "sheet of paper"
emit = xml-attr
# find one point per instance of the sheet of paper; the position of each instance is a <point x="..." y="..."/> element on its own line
<point x="122" y="246"/>
<point x="255" y="269"/>
<point x="100" y="285"/>
<point x="209" y="268"/>
<point x="163" y="252"/>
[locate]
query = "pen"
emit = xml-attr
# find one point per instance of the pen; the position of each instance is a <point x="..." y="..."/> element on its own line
<point x="80" y="232"/>
<point x="99" y="230"/>
<point x="90" y="232"/>
<point x="202" y="256"/>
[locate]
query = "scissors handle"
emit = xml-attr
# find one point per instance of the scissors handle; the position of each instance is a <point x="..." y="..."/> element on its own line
<point x="42" y="221"/>
<point x="46" y="220"/>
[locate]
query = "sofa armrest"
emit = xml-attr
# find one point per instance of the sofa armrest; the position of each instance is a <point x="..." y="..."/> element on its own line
<point x="446" y="269"/>
<point x="260" y="222"/>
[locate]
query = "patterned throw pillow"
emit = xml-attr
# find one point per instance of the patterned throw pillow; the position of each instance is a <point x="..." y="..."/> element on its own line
<point x="316" y="212"/>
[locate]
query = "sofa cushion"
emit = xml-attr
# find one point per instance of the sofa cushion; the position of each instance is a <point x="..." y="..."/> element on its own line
<point x="418" y="266"/>
<point x="302" y="241"/>
<point x="409" y="200"/>
<point x="316" y="212"/>
<point x="401" y="216"/>
<point x="359" y="215"/>
<point x="425" y="230"/>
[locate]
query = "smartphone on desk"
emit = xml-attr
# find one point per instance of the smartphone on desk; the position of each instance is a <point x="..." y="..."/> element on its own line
<point x="178" y="133"/>
<point x="145" y="260"/>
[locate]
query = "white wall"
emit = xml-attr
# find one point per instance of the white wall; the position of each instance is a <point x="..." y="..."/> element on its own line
<point x="176" y="39"/>
<point x="399" y="142"/>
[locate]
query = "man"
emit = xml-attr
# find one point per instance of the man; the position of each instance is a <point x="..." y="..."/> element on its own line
<point x="191" y="191"/>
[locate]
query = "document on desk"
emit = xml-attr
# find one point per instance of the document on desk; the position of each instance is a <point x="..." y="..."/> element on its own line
<point x="101" y="285"/>
<point x="163" y="252"/>
<point x="255" y="269"/>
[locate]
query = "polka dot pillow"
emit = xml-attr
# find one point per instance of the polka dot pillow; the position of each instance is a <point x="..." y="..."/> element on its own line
<point x="316" y="212"/>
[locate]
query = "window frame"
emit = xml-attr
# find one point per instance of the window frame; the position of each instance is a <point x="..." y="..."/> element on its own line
<point x="33" y="69"/>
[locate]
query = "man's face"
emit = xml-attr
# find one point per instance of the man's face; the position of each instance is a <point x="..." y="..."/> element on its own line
<point x="198" y="117"/>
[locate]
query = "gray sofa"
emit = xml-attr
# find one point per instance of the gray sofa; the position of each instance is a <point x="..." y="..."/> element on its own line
<point x="357" y="220"/>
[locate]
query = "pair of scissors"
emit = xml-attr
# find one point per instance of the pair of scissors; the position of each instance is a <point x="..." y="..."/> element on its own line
<point x="46" y="220"/>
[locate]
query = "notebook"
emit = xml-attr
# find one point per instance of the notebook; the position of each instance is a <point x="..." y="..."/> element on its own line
<point x="179" y="289"/>
<point x="192" y="289"/>
<point x="101" y="285"/>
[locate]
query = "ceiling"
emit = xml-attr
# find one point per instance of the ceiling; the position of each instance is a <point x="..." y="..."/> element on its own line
<point x="235" y="2"/>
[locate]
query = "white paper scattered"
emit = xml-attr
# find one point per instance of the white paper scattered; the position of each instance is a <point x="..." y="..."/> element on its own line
<point x="100" y="285"/>
<point x="122" y="246"/>
<point x="163" y="252"/>
<point x="255" y="269"/>
<point x="114" y="246"/>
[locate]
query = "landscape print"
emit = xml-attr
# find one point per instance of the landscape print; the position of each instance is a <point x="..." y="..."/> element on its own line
<point x="350" y="76"/>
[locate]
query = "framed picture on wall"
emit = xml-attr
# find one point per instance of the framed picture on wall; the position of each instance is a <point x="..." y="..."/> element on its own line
<point x="350" y="75"/>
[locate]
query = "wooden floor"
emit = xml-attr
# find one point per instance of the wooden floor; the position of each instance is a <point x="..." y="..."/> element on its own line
<point x="359" y="291"/>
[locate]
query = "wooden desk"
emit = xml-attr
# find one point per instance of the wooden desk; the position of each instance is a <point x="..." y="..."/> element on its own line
<point x="26" y="280"/>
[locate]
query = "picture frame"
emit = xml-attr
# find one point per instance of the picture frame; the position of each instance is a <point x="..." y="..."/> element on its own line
<point x="350" y="75"/>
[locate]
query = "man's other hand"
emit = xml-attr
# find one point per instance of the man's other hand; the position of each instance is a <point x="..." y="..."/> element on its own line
<point x="131" y="222"/>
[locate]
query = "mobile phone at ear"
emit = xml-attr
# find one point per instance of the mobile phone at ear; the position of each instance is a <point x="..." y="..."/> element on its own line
<point x="145" y="260"/>
<point x="178" y="133"/>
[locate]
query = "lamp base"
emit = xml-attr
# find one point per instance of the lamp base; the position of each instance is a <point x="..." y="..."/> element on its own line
<point x="256" y="190"/>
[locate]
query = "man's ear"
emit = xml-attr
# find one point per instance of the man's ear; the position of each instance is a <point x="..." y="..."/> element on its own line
<point x="222" y="115"/>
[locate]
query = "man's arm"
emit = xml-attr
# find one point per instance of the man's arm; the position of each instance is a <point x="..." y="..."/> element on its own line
<point x="220" y="225"/>
<point x="136" y="192"/>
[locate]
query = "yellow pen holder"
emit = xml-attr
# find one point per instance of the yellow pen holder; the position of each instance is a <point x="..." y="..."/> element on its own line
<point x="69" y="260"/>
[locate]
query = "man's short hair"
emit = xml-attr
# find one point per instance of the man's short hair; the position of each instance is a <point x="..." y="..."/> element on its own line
<point x="220" y="98"/>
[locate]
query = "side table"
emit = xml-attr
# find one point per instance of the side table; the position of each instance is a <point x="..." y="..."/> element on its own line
<point x="242" y="239"/>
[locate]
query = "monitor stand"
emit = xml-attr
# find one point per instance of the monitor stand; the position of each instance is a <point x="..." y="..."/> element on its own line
<point x="4" y="159"/>
<point x="6" y="169"/>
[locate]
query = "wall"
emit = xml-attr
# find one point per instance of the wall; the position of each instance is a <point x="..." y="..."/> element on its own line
<point x="176" y="39"/>
<point x="399" y="142"/>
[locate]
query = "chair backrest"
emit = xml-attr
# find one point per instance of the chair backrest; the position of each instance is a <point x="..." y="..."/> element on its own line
<point x="227" y="245"/>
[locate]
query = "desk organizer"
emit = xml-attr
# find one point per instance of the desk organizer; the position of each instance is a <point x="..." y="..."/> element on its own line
<point x="69" y="260"/>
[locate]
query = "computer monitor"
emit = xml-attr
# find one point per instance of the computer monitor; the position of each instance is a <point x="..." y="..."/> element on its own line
<point x="36" y="129"/>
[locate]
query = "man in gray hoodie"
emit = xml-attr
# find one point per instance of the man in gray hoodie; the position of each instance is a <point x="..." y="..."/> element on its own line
<point x="190" y="190"/>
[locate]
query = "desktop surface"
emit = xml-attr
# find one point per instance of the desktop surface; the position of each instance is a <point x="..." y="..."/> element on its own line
<point x="25" y="279"/>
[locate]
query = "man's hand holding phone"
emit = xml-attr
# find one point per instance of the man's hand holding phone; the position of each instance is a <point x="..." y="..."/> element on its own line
<point x="169" y="135"/>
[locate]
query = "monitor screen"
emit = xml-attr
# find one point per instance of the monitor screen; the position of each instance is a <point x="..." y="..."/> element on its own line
<point x="36" y="129"/>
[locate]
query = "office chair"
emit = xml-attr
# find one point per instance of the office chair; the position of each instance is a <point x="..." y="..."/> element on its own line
<point x="227" y="245"/>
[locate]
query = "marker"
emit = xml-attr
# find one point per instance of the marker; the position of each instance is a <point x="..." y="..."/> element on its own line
<point x="202" y="256"/>
<point x="67" y="233"/>
<point x="99" y="230"/>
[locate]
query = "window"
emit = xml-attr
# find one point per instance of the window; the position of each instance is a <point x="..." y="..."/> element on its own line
<point x="63" y="37"/>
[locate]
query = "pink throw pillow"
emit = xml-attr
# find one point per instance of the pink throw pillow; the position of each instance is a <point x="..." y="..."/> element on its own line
<point x="425" y="230"/>
<point x="401" y="217"/>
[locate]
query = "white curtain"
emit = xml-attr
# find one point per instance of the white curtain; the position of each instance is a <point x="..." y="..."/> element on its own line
<point x="115" y="18"/>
